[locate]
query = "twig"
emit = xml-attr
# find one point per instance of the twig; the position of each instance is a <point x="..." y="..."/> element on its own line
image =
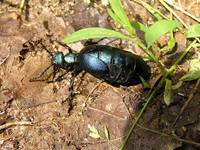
<point x="172" y="136"/>
<point x="170" y="10"/>
<point x="3" y="61"/>
<point x="88" y="96"/>
<point x="107" y="113"/>
<point x="183" y="11"/>
<point x="187" y="102"/>
<point x="10" y="124"/>
<point x="134" y="122"/>
<point x="150" y="8"/>
<point x="161" y="133"/>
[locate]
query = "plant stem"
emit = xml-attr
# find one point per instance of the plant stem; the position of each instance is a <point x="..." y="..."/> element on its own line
<point x="152" y="95"/>
<point x="181" y="57"/>
<point x="134" y="122"/>
<point x="148" y="52"/>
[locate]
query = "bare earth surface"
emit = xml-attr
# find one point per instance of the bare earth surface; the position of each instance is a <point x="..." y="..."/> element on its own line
<point x="34" y="115"/>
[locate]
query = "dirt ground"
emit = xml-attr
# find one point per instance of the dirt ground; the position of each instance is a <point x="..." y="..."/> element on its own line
<point x="34" y="115"/>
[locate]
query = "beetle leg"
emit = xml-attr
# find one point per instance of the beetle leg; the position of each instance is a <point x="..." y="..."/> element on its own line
<point x="43" y="46"/>
<point x="71" y="88"/>
<point x="91" y="42"/>
<point x="130" y="71"/>
<point x="38" y="78"/>
<point x="114" y="70"/>
<point x="71" y="93"/>
<point x="58" y="79"/>
<point x="65" y="45"/>
<point x="120" y="40"/>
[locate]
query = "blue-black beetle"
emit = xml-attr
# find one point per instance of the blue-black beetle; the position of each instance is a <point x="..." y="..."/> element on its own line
<point x="111" y="64"/>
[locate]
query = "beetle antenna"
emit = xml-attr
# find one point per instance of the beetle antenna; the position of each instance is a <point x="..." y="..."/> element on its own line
<point x="65" y="45"/>
<point x="38" y="78"/>
<point x="43" y="46"/>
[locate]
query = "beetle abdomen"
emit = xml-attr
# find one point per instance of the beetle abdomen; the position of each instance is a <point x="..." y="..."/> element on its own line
<point x="93" y="65"/>
<point x="114" y="65"/>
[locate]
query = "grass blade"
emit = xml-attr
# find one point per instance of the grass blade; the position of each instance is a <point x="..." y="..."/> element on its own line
<point x="152" y="10"/>
<point x="107" y="134"/>
<point x="139" y="26"/>
<point x="114" y="16"/>
<point x="118" y="10"/>
<point x="193" y="31"/>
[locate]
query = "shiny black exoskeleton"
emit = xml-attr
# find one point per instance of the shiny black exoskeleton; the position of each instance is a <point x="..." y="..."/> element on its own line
<point x="113" y="65"/>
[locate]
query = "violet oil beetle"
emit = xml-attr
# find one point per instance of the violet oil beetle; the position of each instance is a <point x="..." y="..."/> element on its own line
<point x="110" y="64"/>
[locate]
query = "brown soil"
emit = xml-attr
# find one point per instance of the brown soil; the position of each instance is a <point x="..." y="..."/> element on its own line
<point x="34" y="115"/>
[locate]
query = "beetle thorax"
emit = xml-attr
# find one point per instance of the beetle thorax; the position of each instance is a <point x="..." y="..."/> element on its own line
<point x="70" y="58"/>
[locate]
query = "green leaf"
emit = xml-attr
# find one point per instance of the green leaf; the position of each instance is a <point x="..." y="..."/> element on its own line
<point x="114" y="16"/>
<point x="106" y="132"/>
<point x="144" y="83"/>
<point x="193" y="31"/>
<point x="192" y="75"/>
<point x="93" y="132"/>
<point x="139" y="26"/>
<point x="158" y="29"/>
<point x="194" y="71"/>
<point x="92" y="128"/>
<point x="194" y="65"/>
<point x="167" y="94"/>
<point x="94" y="135"/>
<point x="177" y="85"/>
<point x="90" y="33"/>
<point x="118" y="10"/>
<point x="170" y="45"/>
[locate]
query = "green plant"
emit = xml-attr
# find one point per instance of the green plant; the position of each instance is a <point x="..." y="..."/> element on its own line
<point x="94" y="133"/>
<point x="152" y="34"/>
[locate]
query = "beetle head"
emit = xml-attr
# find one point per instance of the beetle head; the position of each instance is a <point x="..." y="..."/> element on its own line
<point x="58" y="59"/>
